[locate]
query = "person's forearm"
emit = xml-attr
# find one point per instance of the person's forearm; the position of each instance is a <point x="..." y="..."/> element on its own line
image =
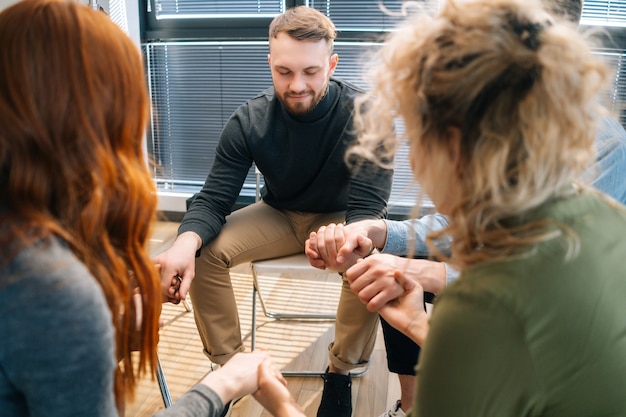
<point x="190" y="239"/>
<point x="289" y="409"/>
<point x="418" y="329"/>
<point x="370" y="188"/>
<point x="431" y="275"/>
<point x="222" y="386"/>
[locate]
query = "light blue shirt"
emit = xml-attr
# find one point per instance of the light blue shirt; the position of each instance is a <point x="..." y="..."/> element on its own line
<point x="610" y="167"/>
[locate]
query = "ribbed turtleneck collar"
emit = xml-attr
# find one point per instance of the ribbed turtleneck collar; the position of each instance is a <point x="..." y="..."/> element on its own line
<point x="322" y="107"/>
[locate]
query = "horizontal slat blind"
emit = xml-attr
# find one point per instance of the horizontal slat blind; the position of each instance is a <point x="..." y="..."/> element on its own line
<point x="368" y="16"/>
<point x="604" y="12"/>
<point x="349" y="15"/>
<point x="198" y="9"/>
<point x="614" y="97"/>
<point x="195" y="87"/>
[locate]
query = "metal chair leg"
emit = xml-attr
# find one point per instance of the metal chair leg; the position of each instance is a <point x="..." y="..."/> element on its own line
<point x="165" y="392"/>
<point x="276" y="315"/>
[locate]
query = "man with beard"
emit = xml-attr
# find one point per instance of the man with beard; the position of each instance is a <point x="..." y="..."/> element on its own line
<point x="296" y="133"/>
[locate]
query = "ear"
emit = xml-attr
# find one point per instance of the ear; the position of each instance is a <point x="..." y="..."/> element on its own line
<point x="334" y="59"/>
<point x="269" y="60"/>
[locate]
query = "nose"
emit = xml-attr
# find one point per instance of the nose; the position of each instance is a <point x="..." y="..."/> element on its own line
<point x="298" y="83"/>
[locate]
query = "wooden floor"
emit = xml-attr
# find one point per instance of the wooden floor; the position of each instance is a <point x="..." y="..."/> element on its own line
<point x="292" y="345"/>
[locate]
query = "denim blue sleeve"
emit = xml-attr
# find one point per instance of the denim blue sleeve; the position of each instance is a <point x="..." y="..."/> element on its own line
<point x="609" y="171"/>
<point x="410" y="235"/>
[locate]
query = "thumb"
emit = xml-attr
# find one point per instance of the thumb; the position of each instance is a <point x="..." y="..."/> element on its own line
<point x="407" y="283"/>
<point x="184" y="286"/>
<point x="365" y="245"/>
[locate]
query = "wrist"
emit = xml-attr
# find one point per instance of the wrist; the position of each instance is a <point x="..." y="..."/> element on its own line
<point x="189" y="239"/>
<point x="418" y="329"/>
<point x="222" y="386"/>
<point x="377" y="233"/>
<point x="436" y="277"/>
<point x="289" y="409"/>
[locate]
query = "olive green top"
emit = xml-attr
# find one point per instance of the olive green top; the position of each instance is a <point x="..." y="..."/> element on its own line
<point x="540" y="336"/>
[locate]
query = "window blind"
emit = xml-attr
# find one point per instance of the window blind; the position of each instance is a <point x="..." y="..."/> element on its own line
<point x="195" y="87"/>
<point x="197" y="82"/>
<point x="367" y="16"/>
<point x="348" y="15"/>
<point x="604" y="12"/>
<point x="202" y="9"/>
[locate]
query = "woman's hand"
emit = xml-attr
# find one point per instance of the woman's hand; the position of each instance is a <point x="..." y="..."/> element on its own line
<point x="406" y="313"/>
<point x="238" y="377"/>
<point x="273" y="394"/>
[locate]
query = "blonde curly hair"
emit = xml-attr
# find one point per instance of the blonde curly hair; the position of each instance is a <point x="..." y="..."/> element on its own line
<point x="519" y="84"/>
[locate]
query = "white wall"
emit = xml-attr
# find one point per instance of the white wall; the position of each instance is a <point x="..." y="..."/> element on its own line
<point x="132" y="13"/>
<point x="167" y="202"/>
<point x="6" y="3"/>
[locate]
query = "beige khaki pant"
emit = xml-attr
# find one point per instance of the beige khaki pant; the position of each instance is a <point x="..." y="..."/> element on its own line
<point x="256" y="232"/>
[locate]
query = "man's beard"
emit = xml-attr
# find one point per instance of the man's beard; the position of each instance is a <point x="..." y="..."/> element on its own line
<point x="302" y="108"/>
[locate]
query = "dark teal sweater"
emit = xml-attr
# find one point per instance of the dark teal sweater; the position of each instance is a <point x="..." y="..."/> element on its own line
<point x="302" y="160"/>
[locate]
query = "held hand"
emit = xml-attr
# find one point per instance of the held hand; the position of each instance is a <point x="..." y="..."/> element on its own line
<point x="273" y="394"/>
<point x="406" y="313"/>
<point x="325" y="244"/>
<point x="431" y="275"/>
<point x="238" y="377"/>
<point x="338" y="247"/>
<point x="312" y="253"/>
<point x="168" y="293"/>
<point x="373" y="279"/>
<point x="177" y="267"/>
<point x="355" y="248"/>
<point x="359" y="240"/>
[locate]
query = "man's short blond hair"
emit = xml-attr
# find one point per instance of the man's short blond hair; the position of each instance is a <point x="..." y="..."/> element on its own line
<point x="304" y="24"/>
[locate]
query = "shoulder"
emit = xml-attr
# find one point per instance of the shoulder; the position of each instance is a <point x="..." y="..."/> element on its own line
<point x="524" y="284"/>
<point x="262" y="99"/>
<point x="346" y="87"/>
<point x="49" y="262"/>
<point x="49" y="279"/>
<point x="610" y="138"/>
<point x="610" y="129"/>
<point x="258" y="108"/>
<point x="60" y="306"/>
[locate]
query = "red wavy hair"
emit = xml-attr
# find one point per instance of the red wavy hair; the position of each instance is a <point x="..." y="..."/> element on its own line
<point x="73" y="111"/>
